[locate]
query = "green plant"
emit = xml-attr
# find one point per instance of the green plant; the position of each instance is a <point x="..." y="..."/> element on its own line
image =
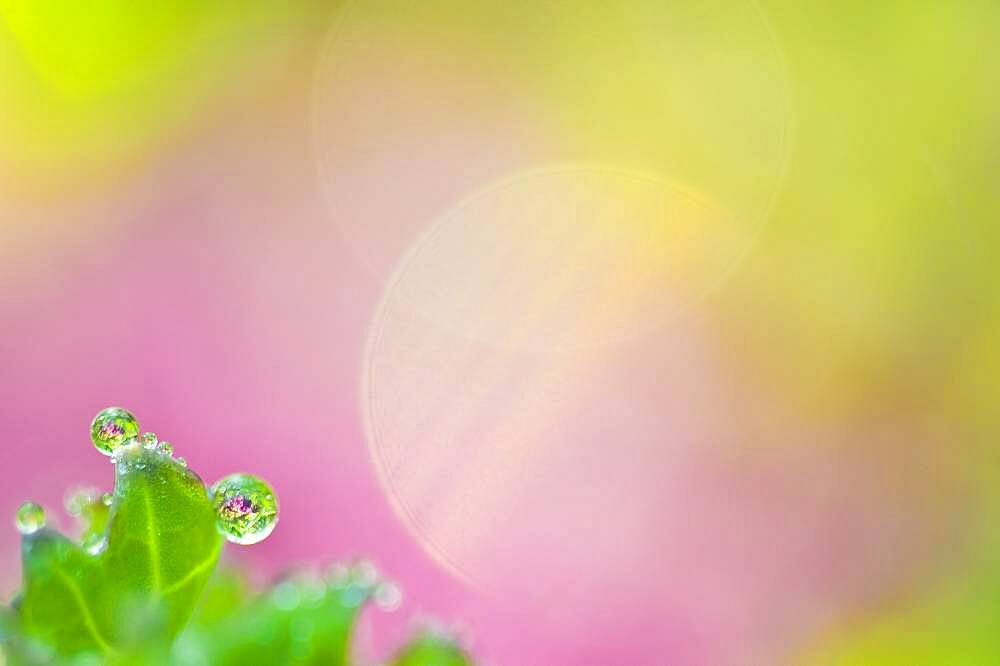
<point x="137" y="587"/>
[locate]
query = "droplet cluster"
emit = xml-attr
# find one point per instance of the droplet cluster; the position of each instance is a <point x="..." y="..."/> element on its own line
<point x="347" y="585"/>
<point x="361" y="581"/>
<point x="246" y="508"/>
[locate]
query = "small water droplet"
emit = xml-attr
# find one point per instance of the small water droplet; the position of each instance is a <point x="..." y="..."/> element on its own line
<point x="112" y="428"/>
<point x="94" y="543"/>
<point x="246" y="508"/>
<point x="182" y="461"/>
<point x="166" y="448"/>
<point x="149" y="440"/>
<point x="78" y="499"/>
<point x="388" y="596"/>
<point x="107" y="498"/>
<point x="30" y="518"/>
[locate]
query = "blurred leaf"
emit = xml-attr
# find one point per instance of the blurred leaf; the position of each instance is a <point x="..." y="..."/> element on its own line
<point x="300" y="620"/>
<point x="429" y="649"/>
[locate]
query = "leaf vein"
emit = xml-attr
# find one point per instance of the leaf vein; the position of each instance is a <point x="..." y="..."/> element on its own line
<point x="88" y="618"/>
<point x="154" y="543"/>
<point x="204" y="565"/>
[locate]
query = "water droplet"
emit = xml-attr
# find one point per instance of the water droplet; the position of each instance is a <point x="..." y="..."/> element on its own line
<point x="388" y="596"/>
<point x="107" y="498"/>
<point x="149" y="440"/>
<point x="246" y="508"/>
<point x="112" y="428"/>
<point x="78" y="499"/>
<point x="94" y="543"/>
<point x="166" y="448"/>
<point x="182" y="461"/>
<point x="30" y="518"/>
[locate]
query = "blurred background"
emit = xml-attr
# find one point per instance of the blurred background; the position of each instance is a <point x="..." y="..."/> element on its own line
<point x="631" y="333"/>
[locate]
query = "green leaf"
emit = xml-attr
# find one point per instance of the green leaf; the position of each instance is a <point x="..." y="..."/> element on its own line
<point x="161" y="546"/>
<point x="430" y="649"/>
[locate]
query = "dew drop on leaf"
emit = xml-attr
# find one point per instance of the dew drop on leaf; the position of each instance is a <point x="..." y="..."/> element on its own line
<point x="78" y="499"/>
<point x="149" y="440"/>
<point x="30" y="518"/>
<point x="166" y="448"/>
<point x="94" y="543"/>
<point x="112" y="428"/>
<point x="246" y="508"/>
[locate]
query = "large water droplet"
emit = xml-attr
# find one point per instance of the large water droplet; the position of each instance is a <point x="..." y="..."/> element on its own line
<point x="30" y="518"/>
<point x="246" y="507"/>
<point x="112" y="428"/>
